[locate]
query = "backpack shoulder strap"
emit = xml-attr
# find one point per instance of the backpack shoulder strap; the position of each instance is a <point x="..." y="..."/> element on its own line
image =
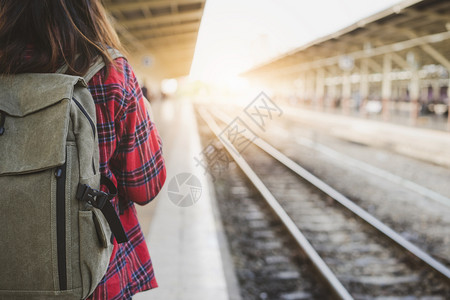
<point x="99" y="64"/>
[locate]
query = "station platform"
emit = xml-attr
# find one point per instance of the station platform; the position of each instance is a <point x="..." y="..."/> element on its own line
<point x="429" y="145"/>
<point x="421" y="143"/>
<point x="185" y="239"/>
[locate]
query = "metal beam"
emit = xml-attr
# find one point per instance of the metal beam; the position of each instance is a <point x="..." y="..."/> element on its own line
<point x="431" y="51"/>
<point x="180" y="17"/>
<point x="169" y="40"/>
<point x="432" y="16"/>
<point x="170" y="50"/>
<point x="373" y="23"/>
<point x="376" y="67"/>
<point x="166" y="31"/>
<point x="396" y="47"/>
<point x="400" y="61"/>
<point x="438" y="57"/>
<point x="127" y="5"/>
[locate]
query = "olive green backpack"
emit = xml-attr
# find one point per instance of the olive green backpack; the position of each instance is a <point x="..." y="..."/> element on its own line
<point x="55" y="226"/>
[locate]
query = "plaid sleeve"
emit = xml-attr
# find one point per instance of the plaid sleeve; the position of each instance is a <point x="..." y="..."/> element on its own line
<point x="137" y="163"/>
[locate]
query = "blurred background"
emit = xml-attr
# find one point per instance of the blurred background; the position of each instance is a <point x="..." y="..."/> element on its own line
<point x="382" y="55"/>
<point x="307" y="146"/>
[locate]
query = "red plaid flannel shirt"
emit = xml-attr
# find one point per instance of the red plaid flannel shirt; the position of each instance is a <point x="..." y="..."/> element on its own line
<point x="130" y="155"/>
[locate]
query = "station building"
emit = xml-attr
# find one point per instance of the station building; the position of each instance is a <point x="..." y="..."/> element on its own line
<point x="395" y="62"/>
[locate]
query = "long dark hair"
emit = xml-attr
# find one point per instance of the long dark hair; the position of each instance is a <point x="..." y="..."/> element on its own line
<point x="38" y="36"/>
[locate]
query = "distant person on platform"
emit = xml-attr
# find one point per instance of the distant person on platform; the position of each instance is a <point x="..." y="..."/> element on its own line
<point x="148" y="97"/>
<point x="145" y="91"/>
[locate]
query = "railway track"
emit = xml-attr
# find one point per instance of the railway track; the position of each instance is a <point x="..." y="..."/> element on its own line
<point x="355" y="254"/>
<point x="267" y="262"/>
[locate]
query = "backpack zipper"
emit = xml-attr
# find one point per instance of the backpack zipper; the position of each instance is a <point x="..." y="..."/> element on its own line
<point x="60" y="175"/>
<point x="90" y="122"/>
<point x="85" y="114"/>
<point x="2" y="122"/>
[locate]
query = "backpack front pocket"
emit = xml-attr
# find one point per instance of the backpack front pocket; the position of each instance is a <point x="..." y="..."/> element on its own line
<point x="28" y="233"/>
<point x="94" y="243"/>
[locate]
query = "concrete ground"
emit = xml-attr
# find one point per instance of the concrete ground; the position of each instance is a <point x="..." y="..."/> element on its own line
<point x="185" y="238"/>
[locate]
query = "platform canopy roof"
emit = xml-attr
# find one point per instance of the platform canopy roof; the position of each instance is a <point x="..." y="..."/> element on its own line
<point x="414" y="32"/>
<point x="159" y="34"/>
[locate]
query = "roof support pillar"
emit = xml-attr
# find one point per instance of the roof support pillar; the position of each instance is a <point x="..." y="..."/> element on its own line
<point x="346" y="92"/>
<point x="310" y="87"/>
<point x="414" y="93"/>
<point x="304" y="88"/>
<point x="386" y="85"/>
<point x="331" y="95"/>
<point x="364" y="85"/>
<point x="320" y="88"/>
<point x="448" y="102"/>
<point x="435" y="91"/>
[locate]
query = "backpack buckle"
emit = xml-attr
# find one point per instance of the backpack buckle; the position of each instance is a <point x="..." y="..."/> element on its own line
<point x="94" y="197"/>
<point x="101" y="200"/>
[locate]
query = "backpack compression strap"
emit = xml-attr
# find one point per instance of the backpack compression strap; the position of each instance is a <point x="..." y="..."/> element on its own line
<point x="96" y="198"/>
<point x="102" y="201"/>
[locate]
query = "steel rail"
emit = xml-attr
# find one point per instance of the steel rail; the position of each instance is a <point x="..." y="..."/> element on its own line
<point x="424" y="191"/>
<point x="344" y="201"/>
<point x="293" y="229"/>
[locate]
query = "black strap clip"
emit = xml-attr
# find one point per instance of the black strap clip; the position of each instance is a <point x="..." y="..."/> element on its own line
<point x="94" y="197"/>
<point x="102" y="201"/>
